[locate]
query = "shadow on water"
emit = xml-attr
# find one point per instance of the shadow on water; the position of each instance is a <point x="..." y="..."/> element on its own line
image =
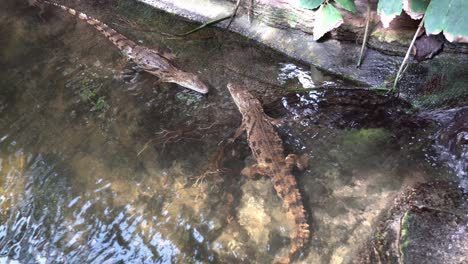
<point x="95" y="168"/>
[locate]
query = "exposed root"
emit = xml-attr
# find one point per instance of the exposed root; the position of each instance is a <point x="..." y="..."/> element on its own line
<point x="165" y="137"/>
<point x="214" y="168"/>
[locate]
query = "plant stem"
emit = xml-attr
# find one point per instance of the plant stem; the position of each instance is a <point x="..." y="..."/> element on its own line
<point x="405" y="60"/>
<point x="301" y="90"/>
<point x="366" y="33"/>
<point x="234" y="13"/>
<point x="207" y="24"/>
<point x="251" y="11"/>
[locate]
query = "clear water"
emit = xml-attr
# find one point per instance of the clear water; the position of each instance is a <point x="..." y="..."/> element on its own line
<point x="99" y="169"/>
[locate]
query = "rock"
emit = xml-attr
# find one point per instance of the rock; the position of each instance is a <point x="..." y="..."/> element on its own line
<point x="345" y="108"/>
<point x="286" y="27"/>
<point x="451" y="140"/>
<point x="426" y="224"/>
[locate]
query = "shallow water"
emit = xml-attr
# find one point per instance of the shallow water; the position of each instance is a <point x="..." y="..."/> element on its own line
<point x="95" y="168"/>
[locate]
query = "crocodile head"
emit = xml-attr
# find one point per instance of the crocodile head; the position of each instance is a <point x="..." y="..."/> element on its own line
<point x="243" y="99"/>
<point x="155" y="63"/>
<point x="188" y="80"/>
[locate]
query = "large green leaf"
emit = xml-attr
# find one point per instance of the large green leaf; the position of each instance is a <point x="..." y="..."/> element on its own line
<point x="449" y="16"/>
<point x="419" y="5"/>
<point x="388" y="10"/>
<point x="347" y="4"/>
<point x="415" y="8"/>
<point x="311" y="4"/>
<point x="327" y="18"/>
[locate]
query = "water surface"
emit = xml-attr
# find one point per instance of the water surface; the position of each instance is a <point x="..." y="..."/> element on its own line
<point x="100" y="168"/>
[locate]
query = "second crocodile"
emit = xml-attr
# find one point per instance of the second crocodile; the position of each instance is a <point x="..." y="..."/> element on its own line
<point x="267" y="149"/>
<point x="149" y="60"/>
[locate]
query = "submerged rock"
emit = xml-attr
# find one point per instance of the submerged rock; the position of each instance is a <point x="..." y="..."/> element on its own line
<point x="427" y="224"/>
<point x="345" y="108"/>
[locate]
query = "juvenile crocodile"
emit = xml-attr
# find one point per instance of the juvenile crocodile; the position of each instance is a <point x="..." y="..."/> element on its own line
<point x="267" y="149"/>
<point x="149" y="60"/>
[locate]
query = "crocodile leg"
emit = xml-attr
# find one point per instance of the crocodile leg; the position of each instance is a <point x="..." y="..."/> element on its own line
<point x="277" y="122"/>
<point x="239" y="132"/>
<point x="295" y="160"/>
<point x="255" y="169"/>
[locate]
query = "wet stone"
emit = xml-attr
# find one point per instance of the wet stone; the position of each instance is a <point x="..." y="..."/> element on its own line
<point x="427" y="224"/>
<point x="451" y="140"/>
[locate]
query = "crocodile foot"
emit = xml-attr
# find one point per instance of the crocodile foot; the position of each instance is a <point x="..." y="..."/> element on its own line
<point x="301" y="162"/>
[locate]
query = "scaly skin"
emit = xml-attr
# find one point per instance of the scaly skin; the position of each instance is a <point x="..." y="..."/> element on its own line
<point x="149" y="60"/>
<point x="267" y="149"/>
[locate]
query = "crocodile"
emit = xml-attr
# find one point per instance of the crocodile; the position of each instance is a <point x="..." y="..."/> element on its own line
<point x="267" y="149"/>
<point x="149" y="60"/>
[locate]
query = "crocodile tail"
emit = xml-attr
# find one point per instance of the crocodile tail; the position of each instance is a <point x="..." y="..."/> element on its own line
<point x="119" y="40"/>
<point x="286" y="187"/>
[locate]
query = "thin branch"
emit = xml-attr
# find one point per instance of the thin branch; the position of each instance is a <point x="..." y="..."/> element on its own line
<point x="405" y="60"/>
<point x="207" y="24"/>
<point x="251" y="11"/>
<point x="234" y="13"/>
<point x="366" y="34"/>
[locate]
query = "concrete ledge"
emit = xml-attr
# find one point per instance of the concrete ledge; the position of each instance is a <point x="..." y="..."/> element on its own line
<point x="336" y="57"/>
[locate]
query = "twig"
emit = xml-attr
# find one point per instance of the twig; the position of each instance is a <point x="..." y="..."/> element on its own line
<point x="207" y="24"/>
<point x="301" y="90"/>
<point x="250" y="11"/>
<point x="405" y="60"/>
<point x="366" y="34"/>
<point x="215" y="166"/>
<point x="168" y="136"/>
<point x="233" y="14"/>
<point x="165" y="136"/>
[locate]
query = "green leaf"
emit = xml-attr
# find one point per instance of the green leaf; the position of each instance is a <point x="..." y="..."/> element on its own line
<point x="347" y="4"/>
<point x="415" y="8"/>
<point x="449" y="16"/>
<point x="327" y="18"/>
<point x="388" y="10"/>
<point x="419" y="6"/>
<point x="311" y="4"/>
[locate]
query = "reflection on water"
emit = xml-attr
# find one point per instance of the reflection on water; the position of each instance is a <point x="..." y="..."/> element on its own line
<point x="95" y="168"/>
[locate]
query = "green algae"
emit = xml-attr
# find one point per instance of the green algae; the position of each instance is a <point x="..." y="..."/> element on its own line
<point x="362" y="141"/>
<point x="453" y="94"/>
<point x="407" y="221"/>
<point x="445" y="85"/>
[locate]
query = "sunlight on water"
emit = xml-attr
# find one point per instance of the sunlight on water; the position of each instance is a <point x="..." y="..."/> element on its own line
<point x="100" y="168"/>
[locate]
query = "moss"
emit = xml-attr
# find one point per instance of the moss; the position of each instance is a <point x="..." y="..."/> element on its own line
<point x="90" y="89"/>
<point x="364" y="148"/>
<point x="405" y="233"/>
<point x="100" y="105"/>
<point x="452" y="95"/>
<point x="392" y="36"/>
<point x="445" y="85"/>
<point x="365" y="137"/>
